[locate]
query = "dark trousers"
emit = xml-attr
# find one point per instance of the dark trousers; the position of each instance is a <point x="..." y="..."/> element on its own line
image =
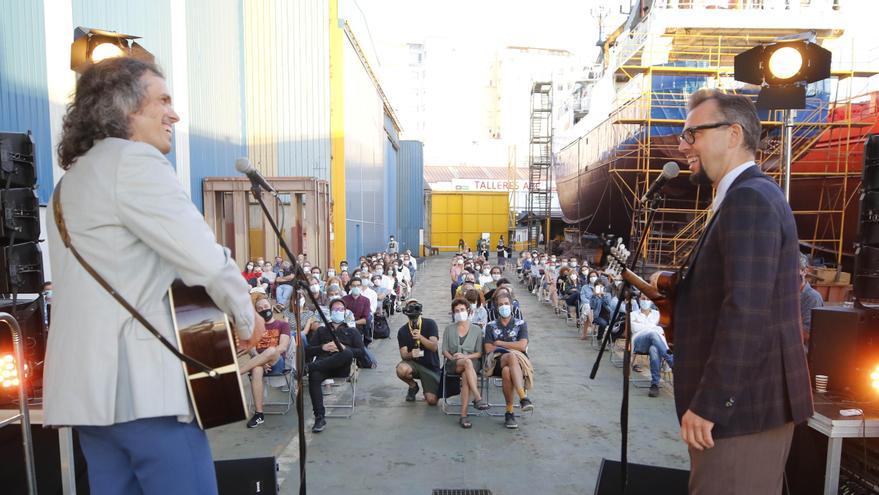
<point x="746" y="464"/>
<point x="334" y="365"/>
<point x="148" y="456"/>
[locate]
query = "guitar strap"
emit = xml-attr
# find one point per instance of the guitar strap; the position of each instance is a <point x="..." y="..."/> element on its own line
<point x="65" y="238"/>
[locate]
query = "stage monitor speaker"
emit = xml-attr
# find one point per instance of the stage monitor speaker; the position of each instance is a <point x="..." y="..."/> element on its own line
<point x="870" y="175"/>
<point x="258" y="475"/>
<point x="24" y="269"/>
<point x="866" y="282"/>
<point x="642" y="480"/>
<point x="844" y="345"/>
<point x="871" y="147"/>
<point x="17" y="163"/>
<point x="21" y="215"/>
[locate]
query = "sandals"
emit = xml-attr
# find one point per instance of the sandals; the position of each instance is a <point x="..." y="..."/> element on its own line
<point x="465" y="422"/>
<point x="480" y="404"/>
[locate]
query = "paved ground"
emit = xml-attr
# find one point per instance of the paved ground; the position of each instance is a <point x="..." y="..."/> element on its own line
<point x="390" y="446"/>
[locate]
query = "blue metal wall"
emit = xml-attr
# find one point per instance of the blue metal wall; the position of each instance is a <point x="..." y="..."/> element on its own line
<point x="24" y="94"/>
<point x="214" y="34"/>
<point x="410" y="186"/>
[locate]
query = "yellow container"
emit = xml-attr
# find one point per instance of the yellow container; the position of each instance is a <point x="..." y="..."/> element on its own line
<point x="467" y="215"/>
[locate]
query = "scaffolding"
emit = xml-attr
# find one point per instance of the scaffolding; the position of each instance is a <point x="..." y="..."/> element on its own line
<point x="641" y="135"/>
<point x="539" y="163"/>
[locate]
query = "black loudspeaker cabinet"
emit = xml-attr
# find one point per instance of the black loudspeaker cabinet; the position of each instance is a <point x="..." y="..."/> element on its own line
<point x="258" y="475"/>
<point x="642" y="480"/>
<point x="21" y="215"/>
<point x="844" y="345"/>
<point x="17" y="162"/>
<point x="23" y="265"/>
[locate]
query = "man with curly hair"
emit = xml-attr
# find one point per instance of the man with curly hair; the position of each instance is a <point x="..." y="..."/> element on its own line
<point x="127" y="213"/>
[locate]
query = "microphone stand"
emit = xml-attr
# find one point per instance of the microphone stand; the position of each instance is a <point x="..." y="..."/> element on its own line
<point x="626" y="293"/>
<point x="301" y="280"/>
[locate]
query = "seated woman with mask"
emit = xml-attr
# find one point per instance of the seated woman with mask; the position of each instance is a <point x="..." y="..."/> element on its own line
<point x="462" y="349"/>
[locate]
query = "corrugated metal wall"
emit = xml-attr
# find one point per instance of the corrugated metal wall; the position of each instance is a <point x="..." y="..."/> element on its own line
<point x="214" y="32"/>
<point x="364" y="159"/>
<point x="146" y="18"/>
<point x="286" y="74"/>
<point x="410" y="187"/>
<point x="466" y="216"/>
<point x="24" y="100"/>
<point x="392" y="180"/>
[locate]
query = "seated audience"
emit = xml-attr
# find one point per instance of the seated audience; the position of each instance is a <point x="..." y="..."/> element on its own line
<point x="478" y="314"/>
<point x="249" y="273"/>
<point x="462" y="349"/>
<point x="809" y="299"/>
<point x="418" y="343"/>
<point x="506" y="345"/>
<point x="649" y="338"/>
<point x="360" y="306"/>
<point x="329" y="360"/>
<point x="266" y="358"/>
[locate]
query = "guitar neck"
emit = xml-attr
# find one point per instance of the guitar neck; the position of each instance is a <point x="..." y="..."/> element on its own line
<point x="642" y="285"/>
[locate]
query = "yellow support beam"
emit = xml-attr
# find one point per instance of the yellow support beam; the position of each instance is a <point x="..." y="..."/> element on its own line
<point x="338" y="243"/>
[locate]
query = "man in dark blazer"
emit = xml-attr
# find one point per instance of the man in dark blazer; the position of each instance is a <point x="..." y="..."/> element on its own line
<point x="741" y="380"/>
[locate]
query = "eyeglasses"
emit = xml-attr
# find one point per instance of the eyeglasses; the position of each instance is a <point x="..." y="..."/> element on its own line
<point x="689" y="134"/>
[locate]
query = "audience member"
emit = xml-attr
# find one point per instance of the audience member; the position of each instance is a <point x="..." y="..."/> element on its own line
<point x="266" y="358"/>
<point x="506" y="346"/>
<point x="462" y="350"/>
<point x="329" y="360"/>
<point x="809" y="299"/>
<point x="649" y="338"/>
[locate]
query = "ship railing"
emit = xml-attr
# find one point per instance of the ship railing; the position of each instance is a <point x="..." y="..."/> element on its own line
<point x="760" y="5"/>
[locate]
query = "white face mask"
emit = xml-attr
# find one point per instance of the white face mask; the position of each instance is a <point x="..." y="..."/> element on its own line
<point x="461" y="316"/>
<point x="496" y="277"/>
<point x="593" y="279"/>
<point x="331" y="274"/>
<point x="315" y="288"/>
<point x="485" y="272"/>
<point x="379" y="271"/>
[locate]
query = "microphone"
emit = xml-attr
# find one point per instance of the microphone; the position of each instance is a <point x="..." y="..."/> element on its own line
<point x="669" y="171"/>
<point x="244" y="166"/>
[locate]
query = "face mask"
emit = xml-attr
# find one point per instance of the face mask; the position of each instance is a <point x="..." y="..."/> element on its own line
<point x="376" y="282"/>
<point x="249" y="267"/>
<point x="473" y="307"/>
<point x="266" y="314"/>
<point x="335" y="286"/>
<point x="478" y="268"/>
<point x="302" y="301"/>
<point x="344" y="267"/>
<point x="584" y="272"/>
<point x="331" y="274"/>
<point x="355" y="291"/>
<point x="337" y="316"/>
<point x="593" y="279"/>
<point x="572" y="264"/>
<point x="316" y="275"/>
<point x="461" y="316"/>
<point x="505" y="310"/>
<point x="314" y="288"/>
<point x="379" y="271"/>
<point x="496" y="277"/>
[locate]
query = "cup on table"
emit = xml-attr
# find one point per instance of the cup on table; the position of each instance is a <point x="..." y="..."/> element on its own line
<point x="821" y="383"/>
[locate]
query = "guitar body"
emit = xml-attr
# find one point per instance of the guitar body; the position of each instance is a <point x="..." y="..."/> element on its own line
<point x="667" y="283"/>
<point x="205" y="333"/>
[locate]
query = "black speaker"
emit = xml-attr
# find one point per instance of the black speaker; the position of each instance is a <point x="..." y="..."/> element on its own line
<point x="871" y="147"/>
<point x="258" y="475"/>
<point x="844" y="345"/>
<point x="642" y="480"/>
<point x="24" y="268"/>
<point x="17" y="162"/>
<point x="21" y="215"/>
<point x="866" y="282"/>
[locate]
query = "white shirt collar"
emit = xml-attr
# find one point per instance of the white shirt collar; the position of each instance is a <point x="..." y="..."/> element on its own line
<point x="727" y="181"/>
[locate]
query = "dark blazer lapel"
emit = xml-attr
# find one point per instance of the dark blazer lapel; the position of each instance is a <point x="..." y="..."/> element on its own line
<point x="752" y="171"/>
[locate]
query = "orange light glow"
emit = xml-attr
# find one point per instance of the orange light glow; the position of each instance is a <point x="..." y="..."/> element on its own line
<point x="8" y="373"/>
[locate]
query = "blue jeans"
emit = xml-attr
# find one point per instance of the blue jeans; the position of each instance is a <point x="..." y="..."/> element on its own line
<point x="652" y="344"/>
<point x="150" y="456"/>
<point x="283" y="293"/>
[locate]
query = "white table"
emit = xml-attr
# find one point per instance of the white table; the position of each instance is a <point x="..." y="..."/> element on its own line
<point x="828" y="422"/>
<point x="65" y="444"/>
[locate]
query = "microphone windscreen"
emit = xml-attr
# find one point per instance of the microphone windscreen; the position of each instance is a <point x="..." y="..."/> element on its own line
<point x="243" y="165"/>
<point x="671" y="170"/>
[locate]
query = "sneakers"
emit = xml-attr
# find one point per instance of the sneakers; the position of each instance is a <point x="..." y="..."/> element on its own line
<point x="525" y="404"/>
<point x="510" y="421"/>
<point x="410" y="395"/>
<point x="256" y="420"/>
<point x="319" y="424"/>
<point x="654" y="391"/>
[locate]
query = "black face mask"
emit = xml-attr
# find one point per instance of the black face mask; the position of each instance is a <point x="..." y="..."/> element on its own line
<point x="266" y="314"/>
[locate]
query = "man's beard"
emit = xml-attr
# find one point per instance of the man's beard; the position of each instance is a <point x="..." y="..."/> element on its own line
<point x="700" y="178"/>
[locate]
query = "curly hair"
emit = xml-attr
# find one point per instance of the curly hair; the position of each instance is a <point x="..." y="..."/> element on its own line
<point x="106" y="94"/>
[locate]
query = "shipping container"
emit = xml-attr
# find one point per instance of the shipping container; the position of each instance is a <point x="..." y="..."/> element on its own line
<point x="467" y="216"/>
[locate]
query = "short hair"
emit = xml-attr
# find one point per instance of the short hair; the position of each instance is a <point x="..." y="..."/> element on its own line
<point x="459" y="301"/>
<point x="499" y="294"/>
<point x="353" y="279"/>
<point x="106" y="95"/>
<point x="474" y="297"/>
<point x="502" y="281"/>
<point x="338" y="300"/>
<point x="804" y="262"/>
<point x="734" y="108"/>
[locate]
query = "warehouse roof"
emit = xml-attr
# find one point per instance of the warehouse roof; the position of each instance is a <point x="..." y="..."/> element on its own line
<point x="446" y="173"/>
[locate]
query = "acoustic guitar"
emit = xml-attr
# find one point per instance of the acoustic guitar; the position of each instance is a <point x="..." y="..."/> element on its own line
<point x="662" y="294"/>
<point x="204" y="332"/>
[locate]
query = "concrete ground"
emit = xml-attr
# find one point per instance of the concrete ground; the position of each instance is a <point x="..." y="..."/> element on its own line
<point x="390" y="446"/>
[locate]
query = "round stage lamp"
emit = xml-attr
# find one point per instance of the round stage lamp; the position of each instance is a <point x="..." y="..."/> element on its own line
<point x="785" y="62"/>
<point x="104" y="51"/>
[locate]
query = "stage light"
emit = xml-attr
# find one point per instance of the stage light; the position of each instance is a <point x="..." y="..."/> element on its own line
<point x="8" y="373"/>
<point x="90" y="46"/>
<point x="104" y="51"/>
<point x="785" y="63"/>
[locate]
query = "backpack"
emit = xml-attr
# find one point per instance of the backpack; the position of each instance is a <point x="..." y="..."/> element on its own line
<point x="380" y="329"/>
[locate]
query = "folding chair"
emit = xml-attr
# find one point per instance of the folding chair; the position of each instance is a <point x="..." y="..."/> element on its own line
<point x="488" y="383"/>
<point x="283" y="407"/>
<point x="446" y="403"/>
<point x="346" y="406"/>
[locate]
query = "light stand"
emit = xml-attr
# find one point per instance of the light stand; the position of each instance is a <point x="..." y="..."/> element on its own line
<point x="787" y="131"/>
<point x="300" y="280"/>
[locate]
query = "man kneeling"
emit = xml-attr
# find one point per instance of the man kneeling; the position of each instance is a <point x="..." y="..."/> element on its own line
<point x="333" y="359"/>
<point x="419" y="341"/>
<point x="506" y="342"/>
